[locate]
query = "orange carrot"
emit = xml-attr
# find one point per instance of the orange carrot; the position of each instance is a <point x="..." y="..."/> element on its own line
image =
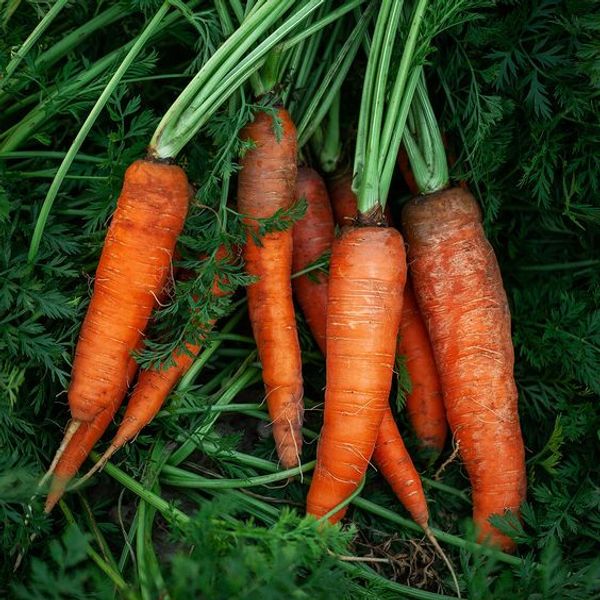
<point x="395" y="464"/>
<point x="133" y="268"/>
<point x="313" y="236"/>
<point x="152" y="390"/>
<point x="75" y="453"/>
<point x="459" y="289"/>
<point x="266" y="184"/>
<point x="424" y="404"/>
<point x="363" y="318"/>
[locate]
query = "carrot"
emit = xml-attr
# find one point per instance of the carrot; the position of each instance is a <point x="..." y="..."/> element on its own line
<point x="152" y="390"/>
<point x="75" y="453"/>
<point x="266" y="184"/>
<point x="133" y="268"/>
<point x="395" y="464"/>
<point x="363" y="318"/>
<point x="424" y="404"/>
<point x="313" y="235"/>
<point x="459" y="289"/>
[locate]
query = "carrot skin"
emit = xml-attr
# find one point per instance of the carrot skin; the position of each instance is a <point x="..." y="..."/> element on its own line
<point x="133" y="268"/>
<point x="366" y="279"/>
<point x="266" y="184"/>
<point x="394" y="462"/>
<point x="459" y="289"/>
<point x="424" y="404"/>
<point x="313" y="236"/>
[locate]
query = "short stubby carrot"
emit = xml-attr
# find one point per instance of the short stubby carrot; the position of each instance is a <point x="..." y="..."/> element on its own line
<point x="266" y="184"/>
<point x="366" y="278"/>
<point x="394" y="462"/>
<point x="133" y="268"/>
<point x="424" y="403"/>
<point x="313" y="236"/>
<point x="459" y="289"/>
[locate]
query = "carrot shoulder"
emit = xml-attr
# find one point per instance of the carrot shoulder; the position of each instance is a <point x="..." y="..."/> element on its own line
<point x="313" y="236"/>
<point x="266" y="184"/>
<point x="363" y="317"/>
<point x="133" y="268"/>
<point x="459" y="289"/>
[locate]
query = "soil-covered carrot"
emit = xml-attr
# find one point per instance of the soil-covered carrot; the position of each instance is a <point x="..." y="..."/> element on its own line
<point x="459" y="289"/>
<point x="424" y="403"/>
<point x="313" y="236"/>
<point x="133" y="268"/>
<point x="266" y="184"/>
<point x="363" y="317"/>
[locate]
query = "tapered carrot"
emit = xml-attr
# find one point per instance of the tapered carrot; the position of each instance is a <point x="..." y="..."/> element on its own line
<point x="152" y="390"/>
<point x="266" y="184"/>
<point x="395" y="464"/>
<point x="363" y="318"/>
<point x="424" y="404"/>
<point x="75" y="454"/>
<point x="133" y="268"/>
<point x="313" y="236"/>
<point x="459" y="289"/>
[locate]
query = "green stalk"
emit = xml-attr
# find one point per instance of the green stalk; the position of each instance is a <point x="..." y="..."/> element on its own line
<point x="31" y="40"/>
<point x="177" y="477"/>
<point x="85" y="128"/>
<point x="172" y="514"/>
<point x="228" y="78"/>
<point x="368" y="196"/>
<point x="73" y="39"/>
<point x="324" y="97"/>
<point x="170" y="136"/>
<point x="196" y="437"/>
<point x="47" y="154"/>
<point x="107" y="569"/>
<point x="426" y="153"/>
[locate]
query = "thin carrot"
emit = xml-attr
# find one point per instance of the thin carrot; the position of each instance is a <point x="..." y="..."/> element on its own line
<point x="313" y="236"/>
<point x="363" y="318"/>
<point x="133" y="268"/>
<point x="395" y="464"/>
<point x="424" y="403"/>
<point x="75" y="453"/>
<point x="266" y="184"/>
<point x="459" y="289"/>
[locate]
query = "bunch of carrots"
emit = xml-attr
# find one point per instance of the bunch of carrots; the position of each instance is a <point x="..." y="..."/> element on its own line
<point x="428" y="289"/>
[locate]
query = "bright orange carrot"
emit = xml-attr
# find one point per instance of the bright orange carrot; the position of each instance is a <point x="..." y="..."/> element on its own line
<point x="313" y="236"/>
<point x="363" y="318"/>
<point x="424" y="404"/>
<point x="152" y="390"/>
<point x="133" y="268"/>
<point x="266" y="184"/>
<point x="459" y="289"/>
<point x="395" y="464"/>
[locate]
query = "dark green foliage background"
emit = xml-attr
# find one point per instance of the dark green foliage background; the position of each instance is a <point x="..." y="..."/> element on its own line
<point x="517" y="91"/>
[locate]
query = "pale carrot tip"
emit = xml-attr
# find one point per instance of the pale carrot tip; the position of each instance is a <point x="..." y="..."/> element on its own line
<point x="442" y="554"/>
<point x="110" y="451"/>
<point x="69" y="433"/>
